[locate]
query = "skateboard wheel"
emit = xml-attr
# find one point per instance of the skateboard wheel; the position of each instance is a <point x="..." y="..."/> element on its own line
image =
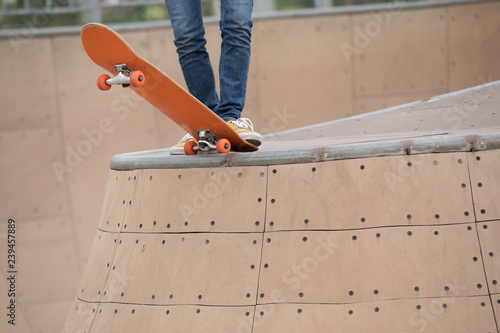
<point x="101" y="82"/>
<point x="189" y="148"/>
<point x="223" y="146"/>
<point x="137" y="79"/>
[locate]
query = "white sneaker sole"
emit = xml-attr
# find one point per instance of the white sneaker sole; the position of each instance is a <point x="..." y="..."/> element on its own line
<point x="176" y="151"/>
<point x="252" y="137"/>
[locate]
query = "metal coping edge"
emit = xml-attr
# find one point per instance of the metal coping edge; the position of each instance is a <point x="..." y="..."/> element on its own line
<point x="160" y="159"/>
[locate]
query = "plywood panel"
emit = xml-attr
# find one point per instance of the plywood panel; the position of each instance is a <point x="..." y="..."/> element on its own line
<point x="385" y="191"/>
<point x="142" y="318"/>
<point x="47" y="262"/>
<point x="190" y="200"/>
<point x="413" y="41"/>
<point x="371" y="264"/>
<point x="368" y="104"/>
<point x="30" y="186"/>
<point x="485" y="180"/>
<point x="489" y="233"/>
<point x="470" y="112"/>
<point x="37" y="315"/>
<point x="200" y="268"/>
<point x="303" y="75"/>
<point x="81" y="317"/>
<point x="119" y="191"/>
<point x="474" y="45"/>
<point x="28" y="95"/>
<point x="98" y="271"/>
<point x="398" y="51"/>
<point x="464" y="314"/>
<point x="495" y="300"/>
<point x="125" y="113"/>
<point x="467" y="102"/>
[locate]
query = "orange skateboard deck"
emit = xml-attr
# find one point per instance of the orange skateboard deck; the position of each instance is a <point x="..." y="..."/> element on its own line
<point x="110" y="51"/>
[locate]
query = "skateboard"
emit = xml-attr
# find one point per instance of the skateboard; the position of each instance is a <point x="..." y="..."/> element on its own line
<point x="111" y="52"/>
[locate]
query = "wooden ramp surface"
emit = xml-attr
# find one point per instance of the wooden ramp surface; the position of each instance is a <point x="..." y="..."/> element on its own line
<point x="403" y="243"/>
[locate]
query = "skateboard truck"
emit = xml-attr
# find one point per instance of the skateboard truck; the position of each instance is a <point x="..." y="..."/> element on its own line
<point x="126" y="77"/>
<point x="208" y="142"/>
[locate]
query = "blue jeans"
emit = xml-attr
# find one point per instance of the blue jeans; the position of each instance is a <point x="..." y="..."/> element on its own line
<point x="236" y="30"/>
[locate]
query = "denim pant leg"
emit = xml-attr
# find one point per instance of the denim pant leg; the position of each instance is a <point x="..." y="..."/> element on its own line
<point x="189" y="33"/>
<point x="236" y="29"/>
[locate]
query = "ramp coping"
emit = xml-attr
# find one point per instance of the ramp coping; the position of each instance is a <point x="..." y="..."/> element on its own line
<point x="160" y="159"/>
<point x="284" y="148"/>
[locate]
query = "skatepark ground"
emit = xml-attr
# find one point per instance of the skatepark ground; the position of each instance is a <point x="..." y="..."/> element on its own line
<point x="384" y="222"/>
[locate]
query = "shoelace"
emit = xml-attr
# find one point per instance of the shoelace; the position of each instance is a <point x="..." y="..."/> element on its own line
<point x="241" y="122"/>
<point x="186" y="137"/>
<point x="244" y="123"/>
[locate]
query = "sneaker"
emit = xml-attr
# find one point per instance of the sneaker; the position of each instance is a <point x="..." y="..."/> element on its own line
<point x="244" y="128"/>
<point x="178" y="149"/>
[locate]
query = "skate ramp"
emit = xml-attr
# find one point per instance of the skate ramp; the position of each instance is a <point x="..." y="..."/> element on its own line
<point x="388" y="222"/>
